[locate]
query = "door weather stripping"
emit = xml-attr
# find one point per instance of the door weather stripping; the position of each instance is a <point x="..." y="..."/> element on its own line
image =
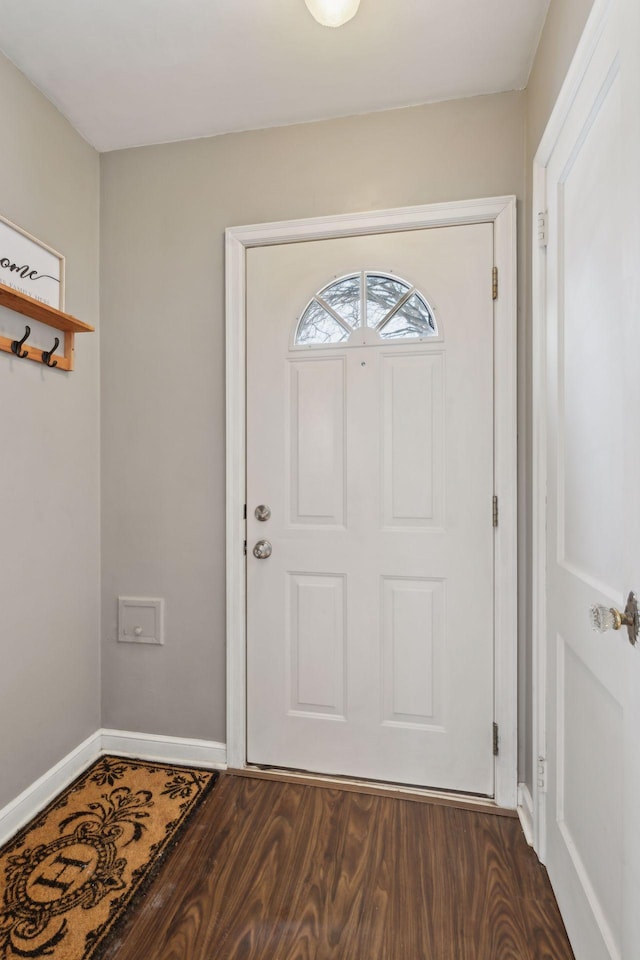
<point x="495" y="511"/>
<point x="494" y="283"/>
<point x="496" y="740"/>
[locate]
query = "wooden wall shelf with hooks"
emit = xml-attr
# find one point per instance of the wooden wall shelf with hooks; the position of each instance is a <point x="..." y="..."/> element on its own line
<point x="35" y="310"/>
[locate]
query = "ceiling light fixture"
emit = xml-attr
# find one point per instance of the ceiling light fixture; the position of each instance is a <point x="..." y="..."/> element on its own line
<point x="333" y="13"/>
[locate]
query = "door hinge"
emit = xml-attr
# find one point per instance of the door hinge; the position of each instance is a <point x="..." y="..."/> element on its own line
<point x="541" y="774"/>
<point x="244" y="515"/>
<point x="543" y="228"/>
<point x="495" y="511"/>
<point x="494" y="283"/>
<point x="245" y="548"/>
<point x="496" y="740"/>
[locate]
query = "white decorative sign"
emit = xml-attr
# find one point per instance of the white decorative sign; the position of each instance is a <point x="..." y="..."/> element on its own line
<point x="30" y="266"/>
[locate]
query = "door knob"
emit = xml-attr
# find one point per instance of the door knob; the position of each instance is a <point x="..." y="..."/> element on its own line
<point x="262" y="513"/>
<point x="608" y="618"/>
<point x="262" y="550"/>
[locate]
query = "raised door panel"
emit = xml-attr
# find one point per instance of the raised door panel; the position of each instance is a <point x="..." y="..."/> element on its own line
<point x="317" y="442"/>
<point x="591" y="343"/>
<point x="413" y="619"/>
<point x="317" y="644"/>
<point x="590" y="766"/>
<point x="413" y="455"/>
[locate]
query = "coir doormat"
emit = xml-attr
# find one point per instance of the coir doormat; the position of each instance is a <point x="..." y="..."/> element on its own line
<point x="68" y="877"/>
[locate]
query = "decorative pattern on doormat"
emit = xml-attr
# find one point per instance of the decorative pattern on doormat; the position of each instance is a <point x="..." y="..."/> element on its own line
<point x="68" y="878"/>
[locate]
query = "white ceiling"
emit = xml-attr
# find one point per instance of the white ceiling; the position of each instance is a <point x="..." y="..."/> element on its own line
<point x="130" y="72"/>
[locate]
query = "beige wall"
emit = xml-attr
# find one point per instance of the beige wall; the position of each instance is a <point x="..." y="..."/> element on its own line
<point x="563" y="28"/>
<point x="164" y="212"/>
<point x="49" y="467"/>
<point x="562" y="31"/>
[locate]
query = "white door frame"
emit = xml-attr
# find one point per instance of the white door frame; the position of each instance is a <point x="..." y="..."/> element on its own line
<point x="566" y="97"/>
<point x="501" y="211"/>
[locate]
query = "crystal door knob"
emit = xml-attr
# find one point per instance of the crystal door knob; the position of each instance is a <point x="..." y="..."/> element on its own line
<point x="604" y="618"/>
<point x="262" y="550"/>
<point x="608" y="618"/>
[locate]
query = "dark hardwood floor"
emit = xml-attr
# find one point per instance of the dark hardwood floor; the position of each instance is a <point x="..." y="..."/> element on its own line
<point x="280" y="871"/>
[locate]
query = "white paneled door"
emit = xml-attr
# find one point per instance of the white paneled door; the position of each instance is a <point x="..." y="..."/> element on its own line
<point x="591" y="844"/>
<point x="370" y="439"/>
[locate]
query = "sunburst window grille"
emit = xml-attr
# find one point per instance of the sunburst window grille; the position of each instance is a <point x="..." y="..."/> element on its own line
<point x="391" y="308"/>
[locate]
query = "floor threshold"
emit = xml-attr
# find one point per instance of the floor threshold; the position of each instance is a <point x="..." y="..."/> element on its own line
<point x="399" y="791"/>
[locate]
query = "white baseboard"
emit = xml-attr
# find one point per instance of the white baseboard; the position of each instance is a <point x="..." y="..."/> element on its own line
<point x="525" y="811"/>
<point x="149" y="746"/>
<point x="145" y="746"/>
<point x="42" y="791"/>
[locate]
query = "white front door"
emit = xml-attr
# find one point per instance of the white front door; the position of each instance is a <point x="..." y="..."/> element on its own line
<point x="593" y="515"/>
<point x="370" y="439"/>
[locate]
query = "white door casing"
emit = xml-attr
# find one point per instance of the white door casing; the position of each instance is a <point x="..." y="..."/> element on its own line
<point x="587" y="522"/>
<point x="376" y="460"/>
<point x="499" y="212"/>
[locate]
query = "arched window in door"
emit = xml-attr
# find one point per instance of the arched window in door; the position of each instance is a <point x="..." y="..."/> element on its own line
<point x="391" y="308"/>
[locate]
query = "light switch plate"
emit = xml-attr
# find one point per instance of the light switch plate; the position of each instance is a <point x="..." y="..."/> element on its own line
<point x="140" y="620"/>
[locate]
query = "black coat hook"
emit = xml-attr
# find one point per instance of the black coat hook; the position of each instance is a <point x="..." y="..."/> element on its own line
<point x="17" y="344"/>
<point x="47" y="354"/>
